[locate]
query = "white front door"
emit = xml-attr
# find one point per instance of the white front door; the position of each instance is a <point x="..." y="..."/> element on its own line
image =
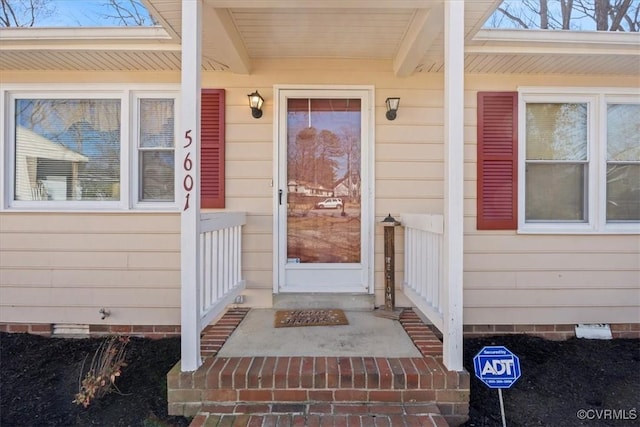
<point x="324" y="202"/>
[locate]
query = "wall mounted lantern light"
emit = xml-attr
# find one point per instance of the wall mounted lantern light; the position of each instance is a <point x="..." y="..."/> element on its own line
<point x="392" y="107"/>
<point x="255" y="102"/>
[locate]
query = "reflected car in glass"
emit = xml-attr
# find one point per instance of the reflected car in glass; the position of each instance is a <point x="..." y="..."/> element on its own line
<point x="330" y="203"/>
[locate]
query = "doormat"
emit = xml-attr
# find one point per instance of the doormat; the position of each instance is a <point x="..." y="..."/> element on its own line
<point x="314" y="317"/>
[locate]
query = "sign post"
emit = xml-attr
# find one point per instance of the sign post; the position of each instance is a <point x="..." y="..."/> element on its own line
<point x="497" y="367"/>
<point x="389" y="309"/>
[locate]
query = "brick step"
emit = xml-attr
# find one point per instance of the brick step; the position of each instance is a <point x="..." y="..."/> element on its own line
<point x="321" y="408"/>
<point x="318" y="420"/>
<point x="292" y="372"/>
<point x="319" y="396"/>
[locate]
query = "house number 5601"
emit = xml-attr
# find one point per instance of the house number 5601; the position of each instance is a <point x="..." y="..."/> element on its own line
<point x="187" y="165"/>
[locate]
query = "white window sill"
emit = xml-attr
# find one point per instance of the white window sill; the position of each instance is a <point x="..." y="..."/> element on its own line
<point x="137" y="210"/>
<point x="558" y="229"/>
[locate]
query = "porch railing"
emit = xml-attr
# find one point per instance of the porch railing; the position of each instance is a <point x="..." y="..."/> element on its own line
<point x="431" y="282"/>
<point x="218" y="279"/>
<point x="423" y="266"/>
<point x="220" y="266"/>
<point x="426" y="284"/>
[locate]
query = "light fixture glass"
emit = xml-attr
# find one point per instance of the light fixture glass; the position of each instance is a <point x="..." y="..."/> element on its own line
<point x="389" y="220"/>
<point x="392" y="107"/>
<point x="255" y="102"/>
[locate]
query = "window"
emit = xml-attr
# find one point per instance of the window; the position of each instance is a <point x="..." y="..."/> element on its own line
<point x="556" y="162"/>
<point x="581" y="162"/>
<point x="156" y="150"/>
<point x="67" y="149"/>
<point x="623" y="162"/>
<point x="111" y="150"/>
<point x="559" y="160"/>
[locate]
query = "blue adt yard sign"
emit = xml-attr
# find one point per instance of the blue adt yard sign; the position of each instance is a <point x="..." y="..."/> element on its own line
<point x="497" y="367"/>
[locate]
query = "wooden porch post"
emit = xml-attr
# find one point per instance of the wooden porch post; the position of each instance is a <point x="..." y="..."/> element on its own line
<point x="188" y="171"/>
<point x="454" y="179"/>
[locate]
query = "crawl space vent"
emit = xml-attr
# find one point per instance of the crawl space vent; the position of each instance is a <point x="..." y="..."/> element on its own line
<point x="593" y="331"/>
<point x="69" y="330"/>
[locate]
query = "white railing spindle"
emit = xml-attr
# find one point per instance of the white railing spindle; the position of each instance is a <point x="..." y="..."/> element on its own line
<point x="423" y="264"/>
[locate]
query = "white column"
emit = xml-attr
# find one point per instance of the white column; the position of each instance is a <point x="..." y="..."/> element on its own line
<point x="454" y="179"/>
<point x="188" y="169"/>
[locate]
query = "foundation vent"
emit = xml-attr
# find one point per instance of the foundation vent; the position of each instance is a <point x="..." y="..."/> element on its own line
<point x="593" y="331"/>
<point x="69" y="330"/>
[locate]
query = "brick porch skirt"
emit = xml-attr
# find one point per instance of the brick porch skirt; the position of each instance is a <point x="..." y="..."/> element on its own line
<point x="358" y="391"/>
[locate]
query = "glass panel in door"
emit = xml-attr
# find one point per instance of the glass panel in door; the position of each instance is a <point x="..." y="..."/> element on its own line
<point x="323" y="181"/>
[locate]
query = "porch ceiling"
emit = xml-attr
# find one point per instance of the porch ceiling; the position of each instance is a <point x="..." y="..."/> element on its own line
<point x="407" y="33"/>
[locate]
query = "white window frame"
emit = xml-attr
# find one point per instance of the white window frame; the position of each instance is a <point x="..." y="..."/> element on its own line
<point x="128" y="96"/>
<point x="612" y="99"/>
<point x="135" y="201"/>
<point x="596" y="100"/>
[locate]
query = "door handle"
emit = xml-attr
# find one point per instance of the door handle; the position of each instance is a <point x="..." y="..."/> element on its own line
<point x="280" y="196"/>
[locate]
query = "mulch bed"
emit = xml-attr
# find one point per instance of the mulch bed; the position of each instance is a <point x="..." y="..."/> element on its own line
<point x="39" y="378"/>
<point x="315" y="317"/>
<point x="560" y="381"/>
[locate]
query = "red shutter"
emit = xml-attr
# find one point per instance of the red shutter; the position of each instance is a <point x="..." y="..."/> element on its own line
<point x="497" y="160"/>
<point x="212" y="149"/>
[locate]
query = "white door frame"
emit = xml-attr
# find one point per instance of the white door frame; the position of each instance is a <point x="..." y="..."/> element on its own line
<point x="368" y="178"/>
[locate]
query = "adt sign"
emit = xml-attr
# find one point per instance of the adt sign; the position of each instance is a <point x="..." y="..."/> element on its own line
<point x="497" y="367"/>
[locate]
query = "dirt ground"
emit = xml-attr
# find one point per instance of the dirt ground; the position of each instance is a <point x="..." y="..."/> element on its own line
<point x="39" y="378"/>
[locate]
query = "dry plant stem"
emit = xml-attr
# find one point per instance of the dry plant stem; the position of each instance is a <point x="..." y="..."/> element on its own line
<point x="106" y="366"/>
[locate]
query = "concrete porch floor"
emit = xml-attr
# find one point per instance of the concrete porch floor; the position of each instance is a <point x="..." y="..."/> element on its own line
<point x="365" y="335"/>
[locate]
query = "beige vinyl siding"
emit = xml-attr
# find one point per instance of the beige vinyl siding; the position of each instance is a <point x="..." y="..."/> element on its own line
<point x="543" y="279"/>
<point x="62" y="267"/>
<point x="249" y="170"/>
